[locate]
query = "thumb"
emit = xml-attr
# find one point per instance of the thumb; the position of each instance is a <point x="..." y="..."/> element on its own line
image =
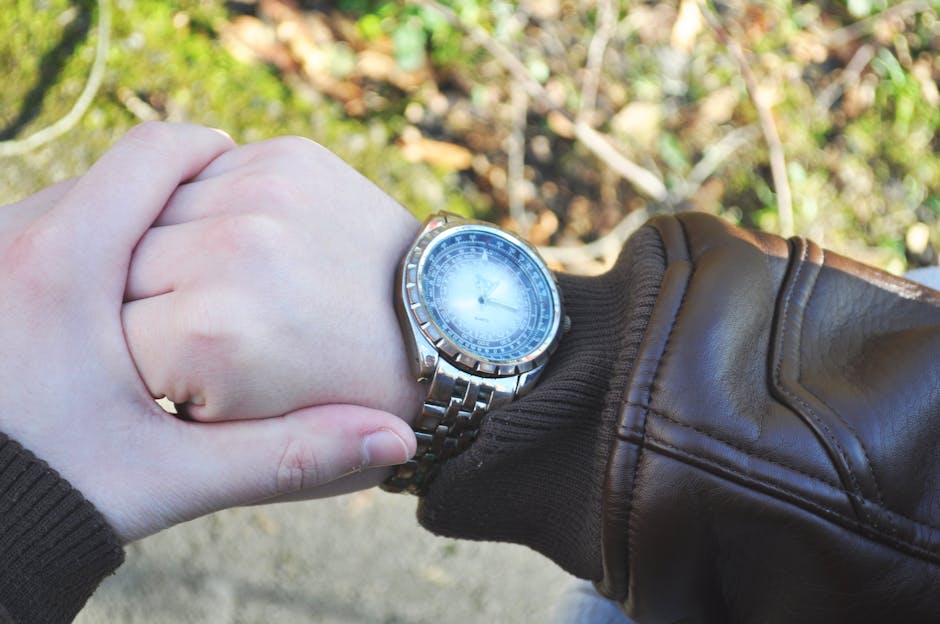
<point x="226" y="464"/>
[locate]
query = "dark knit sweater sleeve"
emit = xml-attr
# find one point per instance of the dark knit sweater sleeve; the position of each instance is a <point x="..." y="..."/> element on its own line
<point x="534" y="476"/>
<point x="55" y="547"/>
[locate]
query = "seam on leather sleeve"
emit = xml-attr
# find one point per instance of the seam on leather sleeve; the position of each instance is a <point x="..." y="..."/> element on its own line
<point x="750" y="452"/>
<point x="682" y="271"/>
<point x="845" y="448"/>
<point x="624" y="458"/>
<point x="813" y="477"/>
<point x="697" y="461"/>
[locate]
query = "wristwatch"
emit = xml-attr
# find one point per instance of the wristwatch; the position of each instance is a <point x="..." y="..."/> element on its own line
<point x="481" y="314"/>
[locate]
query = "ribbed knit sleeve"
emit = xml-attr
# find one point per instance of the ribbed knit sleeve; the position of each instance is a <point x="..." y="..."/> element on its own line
<point x="55" y="547"/>
<point x="535" y="474"/>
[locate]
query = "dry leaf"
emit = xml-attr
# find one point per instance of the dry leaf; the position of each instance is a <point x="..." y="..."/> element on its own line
<point x="922" y="71"/>
<point x="438" y="153"/>
<point x="687" y="27"/>
<point x="718" y="106"/>
<point x="639" y="123"/>
<point x="251" y="41"/>
<point x="560" y="124"/>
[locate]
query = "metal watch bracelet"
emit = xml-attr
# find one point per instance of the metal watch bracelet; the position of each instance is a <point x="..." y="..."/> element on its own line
<point x="449" y="421"/>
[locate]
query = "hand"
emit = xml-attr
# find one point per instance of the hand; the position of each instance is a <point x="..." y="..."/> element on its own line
<point x="268" y="286"/>
<point x="69" y="388"/>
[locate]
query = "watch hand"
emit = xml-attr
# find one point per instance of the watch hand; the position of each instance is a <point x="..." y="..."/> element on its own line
<point x="500" y="304"/>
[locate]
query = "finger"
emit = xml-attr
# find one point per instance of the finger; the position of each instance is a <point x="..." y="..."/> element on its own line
<point x="245" y="155"/>
<point x="153" y="328"/>
<point x="122" y="194"/>
<point x="211" y="191"/>
<point x="244" y="462"/>
<point x="195" y="200"/>
<point x="344" y="485"/>
<point x="163" y="258"/>
<point x="181" y="349"/>
<point x="247" y="174"/>
<point x="224" y="195"/>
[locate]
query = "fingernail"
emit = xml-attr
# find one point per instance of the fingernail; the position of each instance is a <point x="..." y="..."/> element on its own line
<point x="222" y="132"/>
<point x="384" y="448"/>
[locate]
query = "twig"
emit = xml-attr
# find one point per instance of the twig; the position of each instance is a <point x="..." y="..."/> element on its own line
<point x="713" y="157"/>
<point x="600" y="146"/>
<point x="849" y="76"/>
<point x="136" y="106"/>
<point x="902" y="10"/>
<point x="778" y="164"/>
<point x="17" y="147"/>
<point x="515" y="152"/>
<point x="606" y="23"/>
<point x="644" y="180"/>
<point x="607" y="247"/>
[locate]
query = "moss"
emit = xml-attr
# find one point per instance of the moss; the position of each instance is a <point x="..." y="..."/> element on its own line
<point x="169" y="55"/>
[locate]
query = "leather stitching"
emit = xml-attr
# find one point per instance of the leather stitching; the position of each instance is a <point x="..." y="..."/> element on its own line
<point x="631" y="513"/>
<point x="817" y="478"/>
<point x="855" y="495"/>
<point x="931" y="555"/>
<point x="749" y="453"/>
<point x="861" y="443"/>
<point x="868" y="462"/>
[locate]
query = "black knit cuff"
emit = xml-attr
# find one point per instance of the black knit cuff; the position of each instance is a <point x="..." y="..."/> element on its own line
<point x="536" y="472"/>
<point x="55" y="547"/>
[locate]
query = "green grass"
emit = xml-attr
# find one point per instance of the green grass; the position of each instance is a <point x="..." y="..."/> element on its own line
<point x="181" y="66"/>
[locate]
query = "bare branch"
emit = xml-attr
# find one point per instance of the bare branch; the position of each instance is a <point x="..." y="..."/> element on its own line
<point x="902" y="10"/>
<point x="606" y="23"/>
<point x="849" y="76"/>
<point x="50" y="133"/>
<point x="641" y="178"/>
<point x="713" y="158"/>
<point x="606" y="248"/>
<point x="136" y="106"/>
<point x="644" y="180"/>
<point x="515" y="152"/>
<point x="778" y="164"/>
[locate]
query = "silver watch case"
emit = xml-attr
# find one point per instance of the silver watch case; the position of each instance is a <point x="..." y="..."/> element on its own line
<point x="427" y="344"/>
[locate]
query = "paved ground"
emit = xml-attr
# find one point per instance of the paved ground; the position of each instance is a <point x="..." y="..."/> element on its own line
<point x="360" y="558"/>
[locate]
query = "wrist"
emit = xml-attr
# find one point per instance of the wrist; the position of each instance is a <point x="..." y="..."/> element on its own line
<point x="400" y="391"/>
<point x="536" y="473"/>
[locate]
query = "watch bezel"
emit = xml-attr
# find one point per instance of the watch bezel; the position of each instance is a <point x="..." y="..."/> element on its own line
<point x="416" y="309"/>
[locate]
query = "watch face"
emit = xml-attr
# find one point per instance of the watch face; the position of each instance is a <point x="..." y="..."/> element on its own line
<point x="488" y="294"/>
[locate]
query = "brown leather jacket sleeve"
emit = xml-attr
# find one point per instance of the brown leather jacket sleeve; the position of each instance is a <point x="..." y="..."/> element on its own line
<point x="766" y="437"/>
<point x="777" y="455"/>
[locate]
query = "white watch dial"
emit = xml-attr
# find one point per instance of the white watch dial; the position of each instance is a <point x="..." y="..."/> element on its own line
<point x="488" y="294"/>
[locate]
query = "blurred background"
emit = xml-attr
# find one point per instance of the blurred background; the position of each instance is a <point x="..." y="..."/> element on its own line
<point x="569" y="121"/>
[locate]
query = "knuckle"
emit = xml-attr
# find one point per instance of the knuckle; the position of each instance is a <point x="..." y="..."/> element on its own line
<point x="294" y="146"/>
<point x="247" y="235"/>
<point x="206" y="335"/>
<point x="271" y="188"/>
<point x="205" y="348"/>
<point x="152" y="134"/>
<point x="298" y="155"/>
<point x="298" y="468"/>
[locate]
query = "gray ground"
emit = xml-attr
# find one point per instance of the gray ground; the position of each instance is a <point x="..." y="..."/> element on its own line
<point x="359" y="558"/>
